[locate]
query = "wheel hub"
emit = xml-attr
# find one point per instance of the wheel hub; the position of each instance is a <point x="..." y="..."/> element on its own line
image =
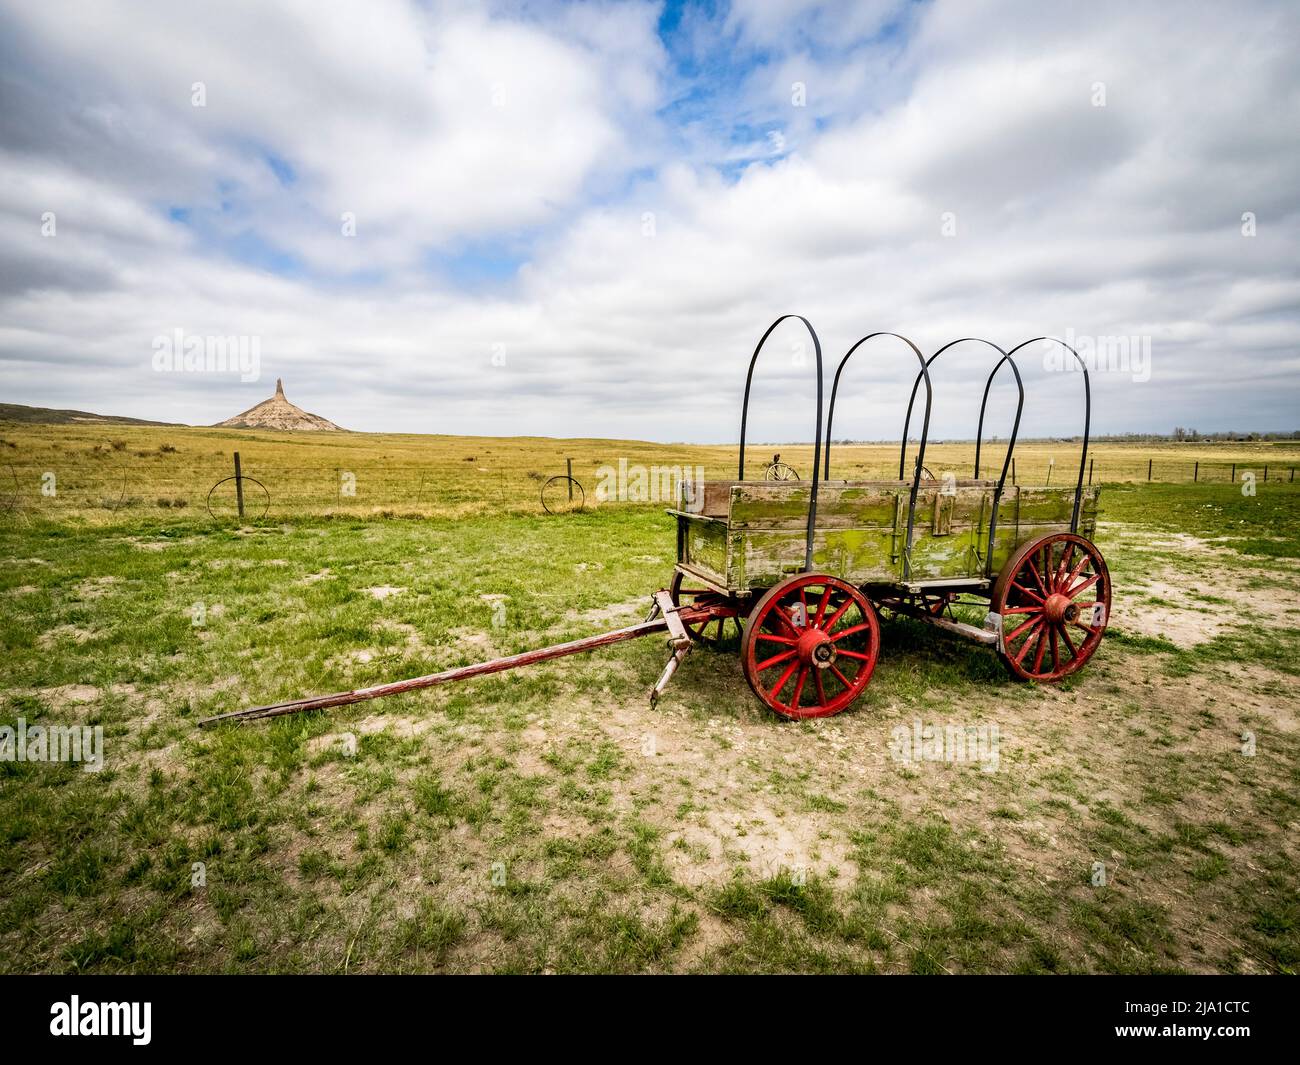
<point x="815" y="648"/>
<point x="1059" y="608"/>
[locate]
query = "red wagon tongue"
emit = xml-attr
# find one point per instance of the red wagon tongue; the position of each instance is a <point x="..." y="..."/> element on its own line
<point x="660" y="620"/>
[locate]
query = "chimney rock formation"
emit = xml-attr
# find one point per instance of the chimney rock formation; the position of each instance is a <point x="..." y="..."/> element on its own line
<point x="278" y="413"/>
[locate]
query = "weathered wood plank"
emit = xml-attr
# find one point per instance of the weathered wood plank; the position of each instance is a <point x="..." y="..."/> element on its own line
<point x="858" y="555"/>
<point x="860" y="530"/>
<point x="783" y="505"/>
<point x="704" y="546"/>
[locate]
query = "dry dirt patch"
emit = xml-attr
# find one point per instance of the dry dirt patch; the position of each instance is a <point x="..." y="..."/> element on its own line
<point x="94" y="587"/>
<point x="1200" y="600"/>
<point x="384" y="591"/>
<point x="60" y="633"/>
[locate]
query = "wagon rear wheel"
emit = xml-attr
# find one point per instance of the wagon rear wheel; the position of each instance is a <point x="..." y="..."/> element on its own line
<point x="810" y="646"/>
<point x="1054" y="599"/>
<point x="713" y="633"/>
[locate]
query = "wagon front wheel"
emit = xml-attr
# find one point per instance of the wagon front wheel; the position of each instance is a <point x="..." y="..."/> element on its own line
<point x="810" y="646"/>
<point x="1053" y="596"/>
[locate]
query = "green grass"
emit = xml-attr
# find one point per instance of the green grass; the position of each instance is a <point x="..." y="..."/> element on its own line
<point x="517" y="824"/>
<point x="1262" y="524"/>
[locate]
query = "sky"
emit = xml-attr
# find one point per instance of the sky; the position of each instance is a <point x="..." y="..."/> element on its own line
<point x="578" y="220"/>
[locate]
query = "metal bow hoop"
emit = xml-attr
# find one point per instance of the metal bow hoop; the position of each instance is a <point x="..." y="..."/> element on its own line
<point x="817" y="446"/>
<point x="1087" y="419"/>
<point x="1015" y="426"/>
<point x="925" y="431"/>
<point x="1020" y="404"/>
<point x="979" y="431"/>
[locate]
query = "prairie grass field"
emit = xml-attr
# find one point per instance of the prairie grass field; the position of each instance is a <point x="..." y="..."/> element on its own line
<point x="110" y="472"/>
<point x="551" y="820"/>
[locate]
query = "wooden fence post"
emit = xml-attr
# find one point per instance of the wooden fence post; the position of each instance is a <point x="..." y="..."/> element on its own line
<point x="239" y="486"/>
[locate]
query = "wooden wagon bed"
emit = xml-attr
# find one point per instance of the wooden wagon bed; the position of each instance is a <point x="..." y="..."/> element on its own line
<point x="748" y="535"/>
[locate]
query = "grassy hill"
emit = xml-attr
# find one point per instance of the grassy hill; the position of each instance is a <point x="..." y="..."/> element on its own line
<point x="17" y="412"/>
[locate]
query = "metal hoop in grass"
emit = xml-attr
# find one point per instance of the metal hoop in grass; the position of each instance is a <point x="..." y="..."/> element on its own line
<point x="568" y="484"/>
<point x="121" y="499"/>
<point x="9" y="501"/>
<point x="121" y="496"/>
<point x="266" y="505"/>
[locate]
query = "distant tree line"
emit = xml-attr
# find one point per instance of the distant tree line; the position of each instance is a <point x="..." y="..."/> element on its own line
<point x="1181" y="435"/>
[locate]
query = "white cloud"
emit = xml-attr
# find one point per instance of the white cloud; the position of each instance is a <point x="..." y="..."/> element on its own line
<point x="1123" y="219"/>
<point x="427" y="127"/>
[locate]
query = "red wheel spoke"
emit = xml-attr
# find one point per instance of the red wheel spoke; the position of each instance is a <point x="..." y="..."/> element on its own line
<point x="1074" y="573"/>
<point x="785" y="677"/>
<point x="1056" y="649"/>
<point x="1084" y="586"/>
<point x="848" y="684"/>
<point x="821" y="688"/>
<point x="1042" y="587"/>
<point x="1022" y="610"/>
<point x="798" y="686"/>
<point x="1032" y="595"/>
<point x="1042" y="646"/>
<point x="1065" y="635"/>
<point x="1066" y="555"/>
<point x="840" y="611"/>
<point x="1029" y="642"/>
<point x="775" y="660"/>
<point x="772" y="637"/>
<point x="863" y="627"/>
<point x="1024" y="626"/>
<point x="821" y="607"/>
<point x="783" y="615"/>
<point x="711" y="629"/>
<point x="852" y="654"/>
<point x="1037" y="579"/>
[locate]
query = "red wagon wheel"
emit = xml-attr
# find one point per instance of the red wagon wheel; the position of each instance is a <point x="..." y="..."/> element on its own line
<point x="1054" y="599"/>
<point x="712" y="633"/>
<point x="810" y="646"/>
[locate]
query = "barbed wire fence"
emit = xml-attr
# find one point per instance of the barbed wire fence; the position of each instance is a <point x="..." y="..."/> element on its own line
<point x="155" y="486"/>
